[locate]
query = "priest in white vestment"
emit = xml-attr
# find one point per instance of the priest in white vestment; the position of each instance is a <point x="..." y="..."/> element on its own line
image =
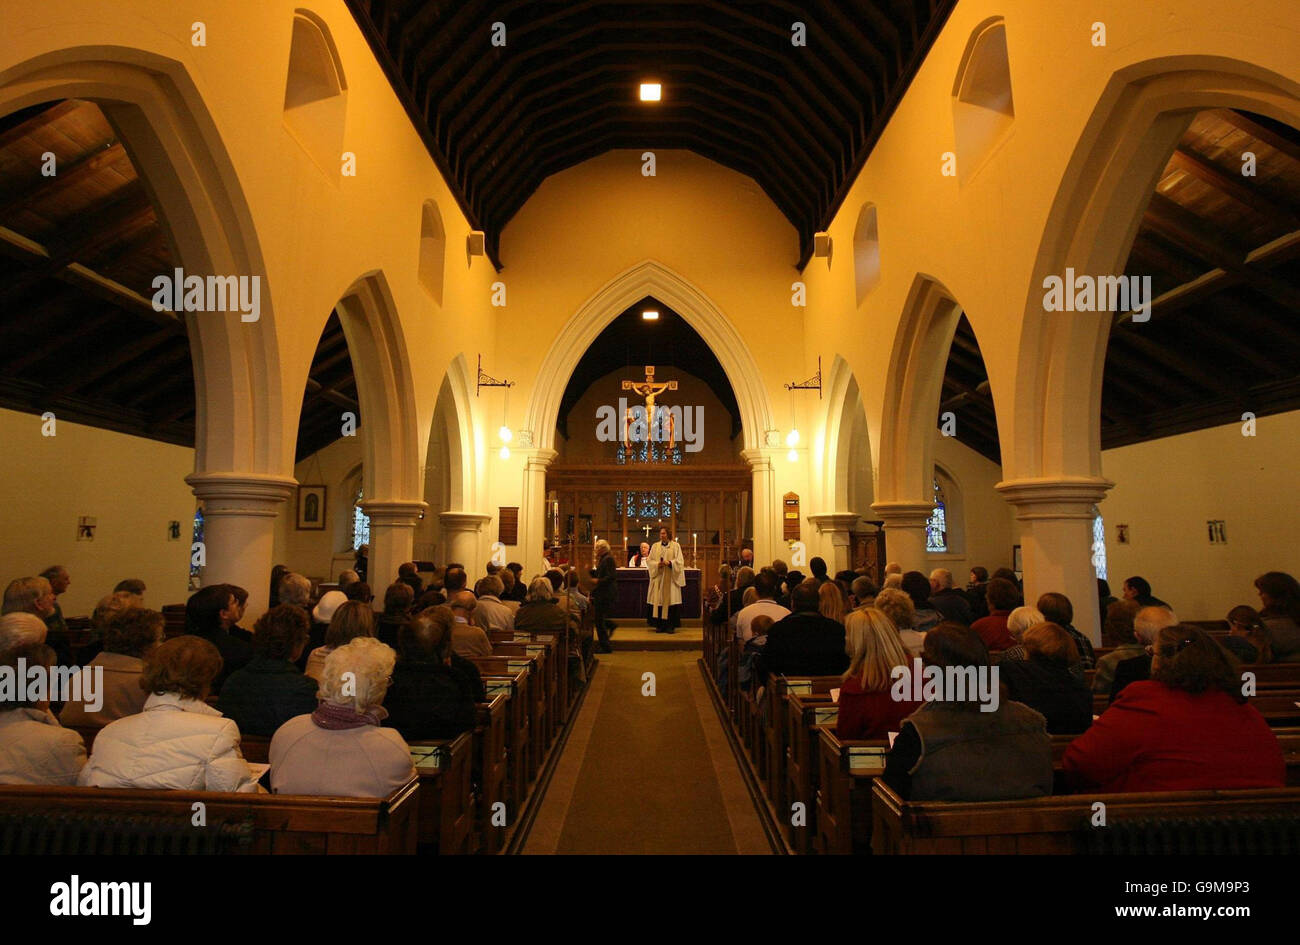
<point x="667" y="568"/>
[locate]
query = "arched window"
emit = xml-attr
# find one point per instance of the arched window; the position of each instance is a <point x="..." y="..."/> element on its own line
<point x="936" y="529"/>
<point x="1098" y="544"/>
<point x="360" y="523"/>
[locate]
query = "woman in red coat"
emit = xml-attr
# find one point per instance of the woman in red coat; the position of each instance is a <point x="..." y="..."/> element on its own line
<point x="1187" y="728"/>
<point x="866" y="706"/>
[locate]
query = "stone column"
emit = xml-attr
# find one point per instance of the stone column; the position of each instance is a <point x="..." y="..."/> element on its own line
<point x="838" y="525"/>
<point x="1055" y="517"/>
<point x="239" y="514"/>
<point x="532" y="511"/>
<point x="392" y="538"/>
<point x="462" y="541"/>
<point x="765" y="504"/>
<point x="904" y="532"/>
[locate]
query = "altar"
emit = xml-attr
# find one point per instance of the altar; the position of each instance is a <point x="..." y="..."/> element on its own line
<point x="634" y="584"/>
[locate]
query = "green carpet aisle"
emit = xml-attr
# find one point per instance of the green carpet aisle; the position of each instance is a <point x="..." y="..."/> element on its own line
<point x="647" y="774"/>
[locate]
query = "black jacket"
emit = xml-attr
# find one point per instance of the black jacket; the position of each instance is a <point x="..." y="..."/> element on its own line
<point x="469" y="676"/>
<point x="729" y="606"/>
<point x="265" y="694"/>
<point x="805" y="644"/>
<point x="428" y="700"/>
<point x="606" y="589"/>
<point x="1050" y="688"/>
<point x="1130" y="670"/>
<point x="235" y="654"/>
<point x="953" y="605"/>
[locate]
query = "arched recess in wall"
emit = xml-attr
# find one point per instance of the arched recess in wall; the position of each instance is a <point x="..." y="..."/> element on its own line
<point x="453" y="456"/>
<point x="315" y="93"/>
<point x="385" y="389"/>
<point x="1091" y="227"/>
<point x="982" y="105"/>
<point x="649" y="278"/>
<point x="845" y="453"/>
<point x="433" y="250"/>
<point x="163" y="122"/>
<point x="866" y="252"/>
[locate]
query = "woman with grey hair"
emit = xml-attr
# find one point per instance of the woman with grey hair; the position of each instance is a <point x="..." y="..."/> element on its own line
<point x="339" y="750"/>
<point x="1020" y="620"/>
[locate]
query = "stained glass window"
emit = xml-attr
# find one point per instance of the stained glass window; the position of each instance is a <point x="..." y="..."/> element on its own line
<point x="360" y="524"/>
<point x="651" y="452"/>
<point x="654" y="505"/>
<point x="936" y="528"/>
<point x="1098" y="544"/>
<point x="198" y="538"/>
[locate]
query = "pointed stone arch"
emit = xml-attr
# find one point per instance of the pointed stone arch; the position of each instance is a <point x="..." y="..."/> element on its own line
<point x="845" y="444"/>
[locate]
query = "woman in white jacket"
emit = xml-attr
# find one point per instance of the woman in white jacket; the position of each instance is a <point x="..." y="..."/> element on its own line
<point x="178" y="742"/>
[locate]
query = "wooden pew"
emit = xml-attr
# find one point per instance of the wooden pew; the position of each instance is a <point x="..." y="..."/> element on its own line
<point x="1063" y="825"/>
<point x="804" y="713"/>
<point x="776" y="725"/>
<point x="532" y="693"/>
<point x="492" y="764"/>
<point x="280" y="823"/>
<point x="444" y="769"/>
<point x="518" y="736"/>
<point x="552" y="667"/>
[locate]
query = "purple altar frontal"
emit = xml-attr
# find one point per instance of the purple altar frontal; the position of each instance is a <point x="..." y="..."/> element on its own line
<point x="634" y="584"/>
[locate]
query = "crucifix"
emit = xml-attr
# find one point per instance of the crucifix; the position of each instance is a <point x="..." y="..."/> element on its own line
<point x="649" y="390"/>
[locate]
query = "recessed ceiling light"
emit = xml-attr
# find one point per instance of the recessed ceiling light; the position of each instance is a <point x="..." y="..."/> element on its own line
<point x="650" y="315"/>
<point x="651" y="91"/>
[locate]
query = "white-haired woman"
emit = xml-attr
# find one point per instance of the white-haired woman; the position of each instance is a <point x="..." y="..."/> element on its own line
<point x="340" y="750"/>
<point x="1018" y="621"/>
<point x="867" y="708"/>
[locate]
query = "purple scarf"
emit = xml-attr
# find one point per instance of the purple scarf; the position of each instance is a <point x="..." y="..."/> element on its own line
<point x="336" y="717"/>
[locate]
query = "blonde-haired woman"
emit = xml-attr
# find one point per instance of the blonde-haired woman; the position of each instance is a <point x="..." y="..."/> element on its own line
<point x="830" y="602"/>
<point x="339" y="750"/>
<point x="867" y="706"/>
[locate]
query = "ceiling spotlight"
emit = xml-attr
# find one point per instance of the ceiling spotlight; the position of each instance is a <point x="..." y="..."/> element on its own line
<point x="504" y="433"/>
<point x="792" y="439"/>
<point x="792" y="456"/>
<point x="505" y="452"/>
<point x="650" y="315"/>
<point x="651" y="91"/>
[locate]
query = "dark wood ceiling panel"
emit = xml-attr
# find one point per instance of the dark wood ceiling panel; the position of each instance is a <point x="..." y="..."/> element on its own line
<point x="799" y="120"/>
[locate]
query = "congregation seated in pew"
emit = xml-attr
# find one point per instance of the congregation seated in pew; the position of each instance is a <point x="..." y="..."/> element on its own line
<point x="467" y="637"/>
<point x="1043" y="680"/>
<point x="1187" y="728"/>
<point x="867" y="704"/>
<point x="209" y="614"/>
<point x="339" y="749"/>
<point x="952" y="750"/>
<point x="271" y="689"/>
<point x="1018" y="621"/>
<point x="1146" y="625"/>
<point x="130" y="635"/>
<point x="895" y="604"/>
<point x="350" y="620"/>
<point x="397" y="608"/>
<point x="429" y="697"/>
<point x="1003" y="597"/>
<point x="1248" y="638"/>
<point x="804" y="643"/>
<point x="178" y="741"/>
<point x="34" y="747"/>
<point x="1279" y="597"/>
<point x="1119" y="628"/>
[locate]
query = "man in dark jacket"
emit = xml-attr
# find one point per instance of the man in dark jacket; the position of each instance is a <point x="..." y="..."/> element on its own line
<point x="210" y="613"/>
<point x="947" y="600"/>
<point x="603" y="594"/>
<point x="428" y="698"/>
<point x="805" y="643"/>
<point x="407" y="574"/>
<point x="271" y="690"/>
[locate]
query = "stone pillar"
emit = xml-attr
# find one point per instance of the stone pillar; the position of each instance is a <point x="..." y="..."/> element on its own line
<point x="838" y="525"/>
<point x="239" y="514"/>
<point x="461" y="541"/>
<point x="1056" y="517"/>
<point x="392" y="538"/>
<point x="765" y="504"/>
<point x="532" y="511"/>
<point x="904" y="532"/>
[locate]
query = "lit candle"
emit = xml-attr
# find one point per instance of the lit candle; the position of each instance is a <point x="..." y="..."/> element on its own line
<point x="693" y="548"/>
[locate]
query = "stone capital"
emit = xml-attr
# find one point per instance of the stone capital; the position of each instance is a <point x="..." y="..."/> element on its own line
<point x="1056" y="497"/>
<point x="835" y="522"/>
<point x="463" y="521"/>
<point x="900" y="514"/>
<point x="539" y="459"/>
<point x="251" y="494"/>
<point x="760" y="459"/>
<point x="393" y="513"/>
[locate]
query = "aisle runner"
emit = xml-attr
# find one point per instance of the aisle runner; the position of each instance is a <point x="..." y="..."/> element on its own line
<point x="647" y="774"/>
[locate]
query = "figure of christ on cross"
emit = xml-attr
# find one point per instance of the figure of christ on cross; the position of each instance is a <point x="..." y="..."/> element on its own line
<point x="649" y="390"/>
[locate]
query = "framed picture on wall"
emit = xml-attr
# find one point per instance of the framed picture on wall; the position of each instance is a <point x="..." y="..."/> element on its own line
<point x="1017" y="561"/>
<point x="311" y="508"/>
